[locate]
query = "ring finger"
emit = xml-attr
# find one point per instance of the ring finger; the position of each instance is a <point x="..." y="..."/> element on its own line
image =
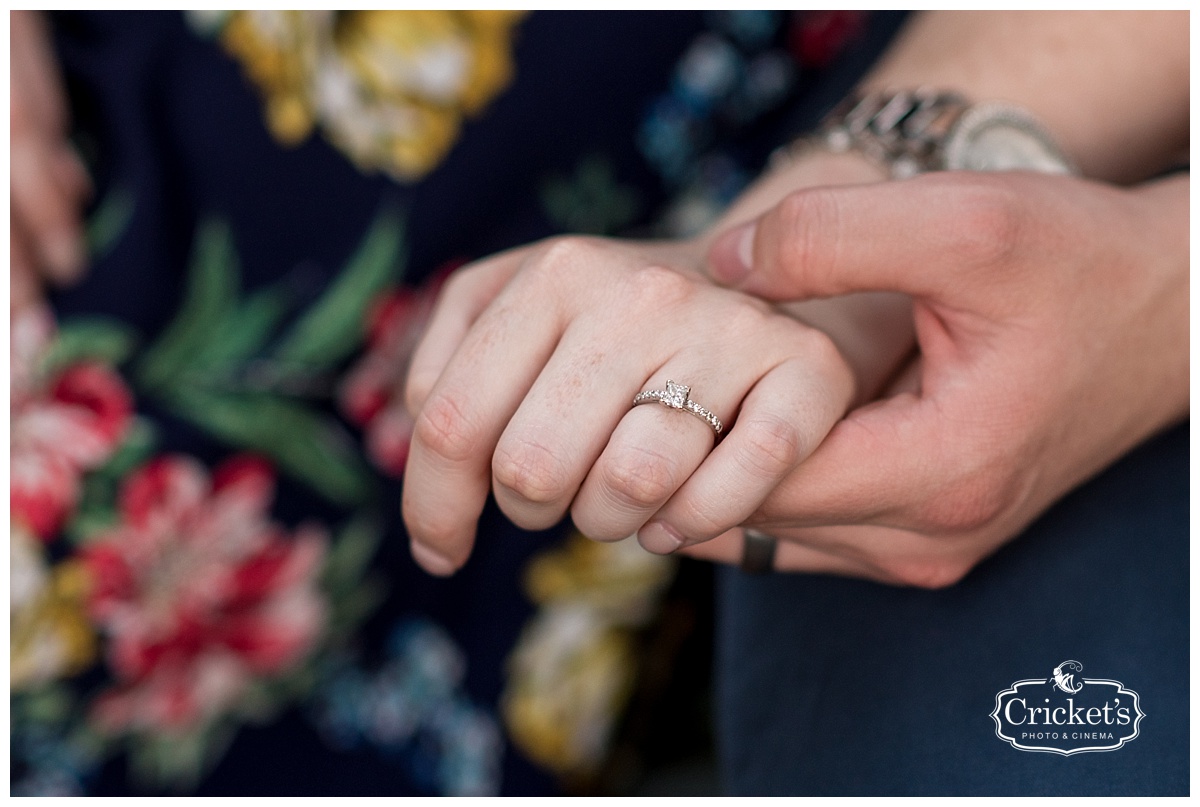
<point x="565" y="421"/>
<point x="782" y="420"/>
<point x="654" y="450"/>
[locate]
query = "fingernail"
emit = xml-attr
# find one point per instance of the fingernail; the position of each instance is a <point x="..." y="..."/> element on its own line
<point x="733" y="254"/>
<point x="65" y="256"/>
<point x="659" y="538"/>
<point x="431" y="560"/>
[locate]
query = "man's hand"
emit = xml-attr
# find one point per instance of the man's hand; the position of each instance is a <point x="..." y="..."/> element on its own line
<point x="1052" y="319"/>
<point x="524" y="383"/>
<point x="621" y="317"/>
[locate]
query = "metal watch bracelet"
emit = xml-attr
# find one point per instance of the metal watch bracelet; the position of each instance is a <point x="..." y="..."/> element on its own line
<point x="913" y="131"/>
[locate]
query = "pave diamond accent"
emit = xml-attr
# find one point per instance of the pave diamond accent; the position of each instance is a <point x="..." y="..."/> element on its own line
<point x="676" y="395"/>
<point x="702" y="413"/>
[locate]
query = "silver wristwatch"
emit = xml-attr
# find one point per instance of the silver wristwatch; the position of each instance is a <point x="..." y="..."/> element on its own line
<point x="913" y="131"/>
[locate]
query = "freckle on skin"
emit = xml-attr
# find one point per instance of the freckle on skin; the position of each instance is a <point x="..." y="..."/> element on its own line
<point x="579" y="371"/>
<point x="491" y="335"/>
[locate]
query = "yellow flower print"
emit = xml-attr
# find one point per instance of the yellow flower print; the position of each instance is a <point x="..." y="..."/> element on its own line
<point x="389" y="88"/>
<point x="49" y="635"/>
<point x="278" y="49"/>
<point x="575" y="678"/>
<point x="575" y="663"/>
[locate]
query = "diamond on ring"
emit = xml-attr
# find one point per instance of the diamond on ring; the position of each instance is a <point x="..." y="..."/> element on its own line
<point x="675" y="396"/>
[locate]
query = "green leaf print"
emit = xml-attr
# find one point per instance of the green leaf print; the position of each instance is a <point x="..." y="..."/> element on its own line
<point x="90" y="339"/>
<point x="592" y="201"/>
<point x="330" y="330"/>
<point x="215" y="366"/>
<point x="304" y="443"/>
<point x="211" y="291"/>
<point x="109" y="221"/>
<point x="243" y="331"/>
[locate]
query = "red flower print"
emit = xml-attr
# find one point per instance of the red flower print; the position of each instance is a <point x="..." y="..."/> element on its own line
<point x="199" y="592"/>
<point x="817" y="37"/>
<point x="372" y="393"/>
<point x="63" y="423"/>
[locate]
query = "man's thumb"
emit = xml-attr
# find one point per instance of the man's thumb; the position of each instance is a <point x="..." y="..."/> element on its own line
<point x="823" y="242"/>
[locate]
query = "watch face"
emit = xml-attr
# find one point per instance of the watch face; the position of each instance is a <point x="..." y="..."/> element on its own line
<point x="999" y="138"/>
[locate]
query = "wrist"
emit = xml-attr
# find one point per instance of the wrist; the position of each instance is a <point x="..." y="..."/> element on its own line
<point x="913" y="131"/>
<point x="873" y="332"/>
<point x="1111" y="87"/>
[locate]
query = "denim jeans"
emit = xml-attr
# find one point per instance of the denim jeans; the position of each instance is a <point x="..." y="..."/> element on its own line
<point x="837" y="686"/>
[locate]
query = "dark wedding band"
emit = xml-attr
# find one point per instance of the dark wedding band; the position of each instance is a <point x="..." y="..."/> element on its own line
<point x="758" y="552"/>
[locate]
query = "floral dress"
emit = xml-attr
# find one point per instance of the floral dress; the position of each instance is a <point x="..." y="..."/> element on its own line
<point x="210" y="584"/>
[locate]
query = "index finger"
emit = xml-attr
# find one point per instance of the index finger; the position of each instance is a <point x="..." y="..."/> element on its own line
<point x="463" y="298"/>
<point x="448" y="473"/>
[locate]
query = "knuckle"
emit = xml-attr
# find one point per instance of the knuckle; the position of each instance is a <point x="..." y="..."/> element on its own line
<point x="699" y="519"/>
<point x="458" y="284"/>
<point x="800" y="210"/>
<point x="529" y="470"/>
<point x="928" y="573"/>
<point x="639" y="477"/>
<point x="748" y="318"/>
<point x="772" y="445"/>
<point x="555" y="274"/>
<point x="445" y="429"/>
<point x="566" y="254"/>
<point x="823" y="354"/>
<point x="990" y="215"/>
<point x="807" y="219"/>
<point x="967" y="506"/>
<point x="41" y="210"/>
<point x="659" y="286"/>
<point x="18" y="115"/>
<point x="416" y="390"/>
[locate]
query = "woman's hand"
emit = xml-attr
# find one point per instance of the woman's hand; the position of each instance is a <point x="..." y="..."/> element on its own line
<point x="524" y="384"/>
<point x="49" y="184"/>
<point x="1052" y="318"/>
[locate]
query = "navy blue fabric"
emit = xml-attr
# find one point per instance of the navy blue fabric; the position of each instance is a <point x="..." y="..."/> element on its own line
<point x="167" y="115"/>
<point x="825" y="685"/>
<point x="835" y="686"/>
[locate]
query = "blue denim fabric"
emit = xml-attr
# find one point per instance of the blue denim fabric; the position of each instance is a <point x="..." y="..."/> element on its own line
<point x="836" y="686"/>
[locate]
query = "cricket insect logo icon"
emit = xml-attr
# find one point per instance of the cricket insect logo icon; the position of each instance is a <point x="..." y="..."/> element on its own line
<point x="1065" y="714"/>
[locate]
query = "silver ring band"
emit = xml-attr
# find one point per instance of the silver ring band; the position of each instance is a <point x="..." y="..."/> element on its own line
<point x="675" y="396"/>
<point x="758" y="552"/>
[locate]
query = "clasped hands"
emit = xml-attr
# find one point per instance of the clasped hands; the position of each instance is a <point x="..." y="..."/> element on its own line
<point x="1050" y="315"/>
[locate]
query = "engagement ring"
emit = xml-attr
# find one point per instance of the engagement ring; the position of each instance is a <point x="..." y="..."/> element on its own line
<point x="675" y="396"/>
